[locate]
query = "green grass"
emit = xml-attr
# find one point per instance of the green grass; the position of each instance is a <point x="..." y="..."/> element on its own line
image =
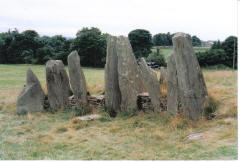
<point x="166" y="51"/>
<point x="141" y="136"/>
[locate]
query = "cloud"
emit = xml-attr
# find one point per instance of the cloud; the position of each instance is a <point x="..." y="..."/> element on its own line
<point x="209" y="20"/>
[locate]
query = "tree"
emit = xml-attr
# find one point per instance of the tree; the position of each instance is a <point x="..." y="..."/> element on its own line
<point x="162" y="39"/>
<point x="196" y="41"/>
<point x="157" y="57"/>
<point x="216" y="45"/>
<point x="91" y="46"/>
<point x="230" y="47"/>
<point x="141" y="42"/>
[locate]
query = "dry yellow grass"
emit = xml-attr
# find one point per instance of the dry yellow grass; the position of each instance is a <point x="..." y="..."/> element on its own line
<point x="144" y="136"/>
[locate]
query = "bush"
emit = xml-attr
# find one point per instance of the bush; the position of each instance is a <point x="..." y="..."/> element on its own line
<point x="211" y="108"/>
<point x="158" y="58"/>
<point x="212" y="57"/>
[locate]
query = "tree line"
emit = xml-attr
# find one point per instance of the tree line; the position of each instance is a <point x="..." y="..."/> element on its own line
<point x="28" y="47"/>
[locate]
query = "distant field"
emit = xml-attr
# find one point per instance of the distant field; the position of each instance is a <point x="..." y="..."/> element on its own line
<point x="146" y="136"/>
<point x="166" y="51"/>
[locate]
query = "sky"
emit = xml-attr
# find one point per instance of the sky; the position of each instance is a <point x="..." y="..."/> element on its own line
<point x="208" y="19"/>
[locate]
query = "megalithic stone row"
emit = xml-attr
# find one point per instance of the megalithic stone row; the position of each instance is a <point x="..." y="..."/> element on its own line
<point x="129" y="75"/>
<point x="191" y="83"/>
<point x="151" y="81"/>
<point x="77" y="78"/>
<point x="57" y="84"/>
<point x="112" y="90"/>
<point x="173" y="98"/>
<point x="31" y="98"/>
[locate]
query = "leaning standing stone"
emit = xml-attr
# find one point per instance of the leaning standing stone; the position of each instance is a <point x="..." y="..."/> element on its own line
<point x="152" y="84"/>
<point x="112" y="90"/>
<point x="190" y="79"/>
<point x="57" y="84"/>
<point x="173" y="99"/>
<point x="77" y="78"/>
<point x="129" y="75"/>
<point x="31" y="97"/>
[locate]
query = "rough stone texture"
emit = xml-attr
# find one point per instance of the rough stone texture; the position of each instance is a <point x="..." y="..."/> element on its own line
<point x="129" y="75"/>
<point x="77" y="78"/>
<point x="196" y="136"/>
<point x="190" y="79"/>
<point x="31" y="97"/>
<point x="112" y="90"/>
<point x="163" y="73"/>
<point x="173" y="98"/>
<point x="151" y="82"/>
<point x="57" y="84"/>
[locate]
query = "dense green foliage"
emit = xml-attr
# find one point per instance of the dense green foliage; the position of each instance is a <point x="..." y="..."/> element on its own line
<point x="162" y="39"/>
<point x="141" y="41"/>
<point x="220" y="53"/>
<point x="28" y="47"/>
<point x="91" y="46"/>
<point x="165" y="39"/>
<point x="157" y="57"/>
<point x="196" y="41"/>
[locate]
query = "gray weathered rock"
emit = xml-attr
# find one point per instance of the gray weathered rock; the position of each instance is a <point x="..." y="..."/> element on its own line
<point x="57" y="84"/>
<point x="190" y="79"/>
<point x="151" y="82"/>
<point x="129" y="75"/>
<point x="173" y="98"/>
<point x="163" y="74"/>
<point x="112" y="90"/>
<point x="77" y="78"/>
<point x="31" y="97"/>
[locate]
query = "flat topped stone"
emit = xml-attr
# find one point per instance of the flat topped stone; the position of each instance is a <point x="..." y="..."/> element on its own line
<point x="57" y="84"/>
<point x="31" y="98"/>
<point x="77" y="78"/>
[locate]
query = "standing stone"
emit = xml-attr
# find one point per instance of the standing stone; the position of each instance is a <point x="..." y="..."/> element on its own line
<point x="112" y="90"/>
<point x="31" y="97"/>
<point x="129" y="75"/>
<point x="152" y="84"/>
<point x="190" y="79"/>
<point x="163" y="73"/>
<point x="57" y="84"/>
<point x="173" y="99"/>
<point x="77" y="78"/>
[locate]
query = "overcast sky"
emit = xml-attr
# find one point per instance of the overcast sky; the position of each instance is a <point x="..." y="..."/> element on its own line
<point x="208" y="19"/>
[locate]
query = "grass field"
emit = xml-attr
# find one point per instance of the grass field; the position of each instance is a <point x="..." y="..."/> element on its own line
<point x="144" y="136"/>
<point x="166" y="51"/>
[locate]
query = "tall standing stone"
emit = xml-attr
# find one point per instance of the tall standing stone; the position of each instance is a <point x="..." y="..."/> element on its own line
<point x="77" y="78"/>
<point x="152" y="84"/>
<point x="190" y="79"/>
<point x="173" y="98"/>
<point x="129" y="75"/>
<point x="57" y="84"/>
<point x="112" y="90"/>
<point x="31" y="97"/>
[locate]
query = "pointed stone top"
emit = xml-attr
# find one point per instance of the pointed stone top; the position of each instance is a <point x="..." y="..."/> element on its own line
<point x="31" y="77"/>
